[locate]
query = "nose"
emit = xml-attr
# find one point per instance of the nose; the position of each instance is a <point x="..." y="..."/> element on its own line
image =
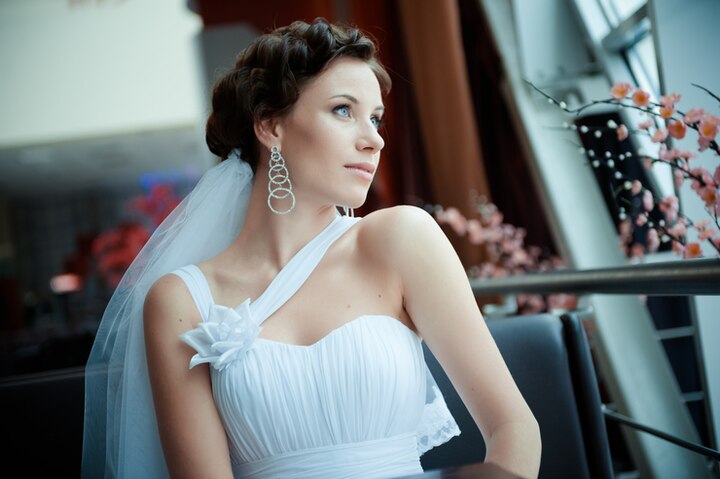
<point x="370" y="139"/>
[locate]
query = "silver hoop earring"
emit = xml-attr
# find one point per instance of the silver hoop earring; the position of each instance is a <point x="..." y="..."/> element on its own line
<point x="349" y="212"/>
<point x="279" y="184"/>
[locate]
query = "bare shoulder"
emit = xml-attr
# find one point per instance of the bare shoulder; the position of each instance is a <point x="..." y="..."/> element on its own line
<point x="396" y="224"/>
<point x="400" y="233"/>
<point x="169" y="305"/>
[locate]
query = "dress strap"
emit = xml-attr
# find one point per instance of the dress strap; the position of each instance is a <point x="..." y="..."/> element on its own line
<point x="198" y="287"/>
<point x="294" y="274"/>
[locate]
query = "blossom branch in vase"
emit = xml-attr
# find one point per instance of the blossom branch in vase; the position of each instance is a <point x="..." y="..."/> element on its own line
<point x="505" y="252"/>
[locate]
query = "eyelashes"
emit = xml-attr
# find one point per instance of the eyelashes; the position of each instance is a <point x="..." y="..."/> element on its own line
<point x="345" y="111"/>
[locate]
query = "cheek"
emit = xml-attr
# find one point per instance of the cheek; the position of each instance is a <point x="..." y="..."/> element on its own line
<point x="307" y="138"/>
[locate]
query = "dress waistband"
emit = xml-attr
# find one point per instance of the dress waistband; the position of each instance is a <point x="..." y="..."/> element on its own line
<point x="379" y="458"/>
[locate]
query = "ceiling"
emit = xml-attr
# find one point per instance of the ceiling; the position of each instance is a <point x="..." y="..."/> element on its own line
<point x="101" y="163"/>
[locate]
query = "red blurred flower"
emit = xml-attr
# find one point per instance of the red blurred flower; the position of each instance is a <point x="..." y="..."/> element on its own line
<point x="116" y="249"/>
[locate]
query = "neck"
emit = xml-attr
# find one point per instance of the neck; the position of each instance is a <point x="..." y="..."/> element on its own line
<point x="274" y="239"/>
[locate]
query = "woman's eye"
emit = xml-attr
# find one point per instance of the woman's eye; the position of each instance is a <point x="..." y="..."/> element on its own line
<point x="342" y="110"/>
<point x="377" y="121"/>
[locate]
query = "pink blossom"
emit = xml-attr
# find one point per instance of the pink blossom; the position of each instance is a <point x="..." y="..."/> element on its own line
<point x="670" y="99"/>
<point x="694" y="115"/>
<point x="703" y="143"/>
<point x="677" y="129"/>
<point x="708" y="127"/>
<point x="687" y="154"/>
<point x="708" y="195"/>
<point x="530" y="303"/>
<point x="707" y="234"/>
<point x="620" y="90"/>
<point x="666" y="111"/>
<point x="453" y="218"/>
<point x="668" y="155"/>
<point x="678" y="230"/>
<point x="562" y="302"/>
<point x="678" y="248"/>
<point x="636" y="187"/>
<point x="716" y="176"/>
<point x="659" y="136"/>
<point x="625" y="229"/>
<point x="653" y="241"/>
<point x="679" y="177"/>
<point x="520" y="257"/>
<point x="701" y="225"/>
<point x="641" y="220"/>
<point x="698" y="174"/>
<point x="716" y="242"/>
<point x="641" y="98"/>
<point x="647" y="201"/>
<point x="475" y="232"/>
<point x="669" y="202"/>
<point x="622" y="132"/>
<point x="708" y="180"/>
<point x="692" y="250"/>
<point x="637" y="251"/>
<point x="669" y="205"/>
<point x="644" y="125"/>
<point x="496" y="219"/>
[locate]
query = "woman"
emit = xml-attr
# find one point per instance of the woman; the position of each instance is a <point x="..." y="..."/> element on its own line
<point x="302" y="330"/>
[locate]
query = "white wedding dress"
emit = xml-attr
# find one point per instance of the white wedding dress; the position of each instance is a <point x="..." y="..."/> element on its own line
<point x="349" y="405"/>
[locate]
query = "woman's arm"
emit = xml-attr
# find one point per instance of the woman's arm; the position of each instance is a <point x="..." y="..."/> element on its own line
<point x="191" y="432"/>
<point x="438" y="298"/>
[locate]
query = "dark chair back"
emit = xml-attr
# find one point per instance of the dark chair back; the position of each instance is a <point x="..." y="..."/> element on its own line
<point x="42" y="421"/>
<point x="550" y="360"/>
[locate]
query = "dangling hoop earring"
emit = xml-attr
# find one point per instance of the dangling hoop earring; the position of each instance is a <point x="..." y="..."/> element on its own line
<point x="349" y="212"/>
<point x="279" y="184"/>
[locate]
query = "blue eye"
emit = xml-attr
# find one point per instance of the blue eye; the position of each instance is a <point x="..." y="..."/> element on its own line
<point x="342" y="110"/>
<point x="378" y="122"/>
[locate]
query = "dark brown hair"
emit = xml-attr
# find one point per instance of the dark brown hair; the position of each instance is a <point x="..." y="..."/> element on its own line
<point x="268" y="75"/>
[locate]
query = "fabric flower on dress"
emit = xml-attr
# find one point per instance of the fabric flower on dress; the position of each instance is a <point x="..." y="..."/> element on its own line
<point x="226" y="336"/>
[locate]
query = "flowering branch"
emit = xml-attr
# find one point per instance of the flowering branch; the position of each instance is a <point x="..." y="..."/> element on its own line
<point x="674" y="225"/>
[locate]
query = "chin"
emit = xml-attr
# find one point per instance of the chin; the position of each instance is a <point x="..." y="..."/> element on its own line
<point x="353" y="197"/>
<point x="354" y="202"/>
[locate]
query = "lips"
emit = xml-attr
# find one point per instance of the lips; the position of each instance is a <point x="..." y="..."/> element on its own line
<point x="366" y="167"/>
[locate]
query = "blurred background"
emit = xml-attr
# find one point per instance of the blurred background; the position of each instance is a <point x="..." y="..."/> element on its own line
<point x="102" y="134"/>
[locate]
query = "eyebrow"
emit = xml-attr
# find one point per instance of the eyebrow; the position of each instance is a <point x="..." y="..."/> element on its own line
<point x="355" y="100"/>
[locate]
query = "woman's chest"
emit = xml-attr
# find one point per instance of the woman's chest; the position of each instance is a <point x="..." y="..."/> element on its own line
<point x="371" y="368"/>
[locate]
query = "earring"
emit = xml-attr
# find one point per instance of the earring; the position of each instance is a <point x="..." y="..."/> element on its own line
<point x="279" y="184"/>
<point x="349" y="212"/>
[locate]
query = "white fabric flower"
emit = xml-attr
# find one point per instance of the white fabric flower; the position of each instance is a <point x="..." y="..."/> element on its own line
<point x="226" y="336"/>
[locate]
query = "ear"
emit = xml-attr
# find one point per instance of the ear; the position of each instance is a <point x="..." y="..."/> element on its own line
<point x="269" y="132"/>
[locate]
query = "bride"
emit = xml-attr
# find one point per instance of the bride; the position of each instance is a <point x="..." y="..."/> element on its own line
<point x="260" y="333"/>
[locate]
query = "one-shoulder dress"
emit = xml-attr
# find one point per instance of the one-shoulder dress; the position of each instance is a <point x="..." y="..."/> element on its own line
<point x="349" y="405"/>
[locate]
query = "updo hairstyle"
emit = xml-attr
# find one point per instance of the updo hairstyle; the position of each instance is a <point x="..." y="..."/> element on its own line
<point x="268" y="75"/>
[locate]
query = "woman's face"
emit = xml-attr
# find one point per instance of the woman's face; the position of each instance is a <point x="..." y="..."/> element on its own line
<point x="330" y="139"/>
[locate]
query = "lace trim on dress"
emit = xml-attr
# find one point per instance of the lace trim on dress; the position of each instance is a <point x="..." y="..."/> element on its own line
<point x="437" y="425"/>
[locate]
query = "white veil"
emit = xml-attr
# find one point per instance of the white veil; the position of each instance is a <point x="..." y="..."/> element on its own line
<point x="121" y="437"/>
<point x="120" y="431"/>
